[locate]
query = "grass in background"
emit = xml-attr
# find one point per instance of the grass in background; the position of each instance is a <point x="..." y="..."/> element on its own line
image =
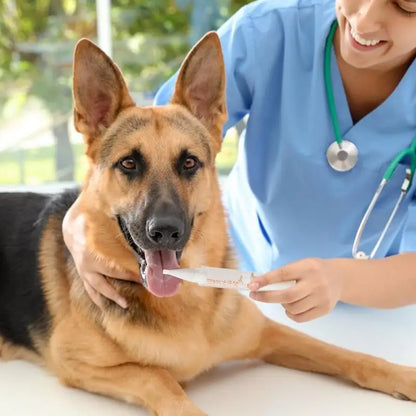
<point x="38" y="164"/>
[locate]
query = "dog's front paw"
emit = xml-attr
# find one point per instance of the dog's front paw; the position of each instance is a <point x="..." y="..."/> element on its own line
<point x="405" y="388"/>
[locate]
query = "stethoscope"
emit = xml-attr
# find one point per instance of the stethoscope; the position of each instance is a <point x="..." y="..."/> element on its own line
<point x="342" y="156"/>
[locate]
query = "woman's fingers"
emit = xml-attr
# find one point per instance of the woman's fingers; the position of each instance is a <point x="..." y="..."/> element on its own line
<point x="106" y="270"/>
<point x="93" y="294"/>
<point x="283" y="274"/>
<point x="97" y="284"/>
<point x="284" y="296"/>
<point x="301" y="306"/>
<point x="307" y="316"/>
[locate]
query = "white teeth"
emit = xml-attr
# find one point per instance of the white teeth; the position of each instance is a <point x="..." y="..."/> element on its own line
<point x="364" y="42"/>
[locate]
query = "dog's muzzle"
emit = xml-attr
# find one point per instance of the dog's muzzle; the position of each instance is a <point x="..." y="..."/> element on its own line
<point x="162" y="248"/>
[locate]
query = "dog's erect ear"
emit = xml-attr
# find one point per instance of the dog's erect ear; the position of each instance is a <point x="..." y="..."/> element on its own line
<point x="99" y="90"/>
<point x="201" y="85"/>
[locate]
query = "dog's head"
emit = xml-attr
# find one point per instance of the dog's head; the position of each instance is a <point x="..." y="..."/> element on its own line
<point x="151" y="168"/>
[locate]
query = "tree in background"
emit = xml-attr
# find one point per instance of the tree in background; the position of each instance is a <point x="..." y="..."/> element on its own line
<point x="150" y="38"/>
<point x="36" y="43"/>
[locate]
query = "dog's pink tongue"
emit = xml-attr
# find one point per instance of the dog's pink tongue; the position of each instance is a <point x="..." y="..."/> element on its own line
<point x="160" y="284"/>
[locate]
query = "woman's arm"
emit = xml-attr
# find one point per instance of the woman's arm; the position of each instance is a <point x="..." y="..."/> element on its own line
<point x="321" y="283"/>
<point x="382" y="283"/>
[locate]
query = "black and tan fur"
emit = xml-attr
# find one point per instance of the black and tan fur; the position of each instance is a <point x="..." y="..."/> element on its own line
<point x="141" y="354"/>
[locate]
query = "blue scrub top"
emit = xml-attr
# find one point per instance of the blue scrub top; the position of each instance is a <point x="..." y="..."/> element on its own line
<point x="284" y="201"/>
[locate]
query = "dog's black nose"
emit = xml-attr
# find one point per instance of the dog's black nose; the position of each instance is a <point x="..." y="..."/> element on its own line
<point x="165" y="231"/>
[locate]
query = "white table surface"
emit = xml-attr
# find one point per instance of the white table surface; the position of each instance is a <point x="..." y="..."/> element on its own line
<point x="247" y="388"/>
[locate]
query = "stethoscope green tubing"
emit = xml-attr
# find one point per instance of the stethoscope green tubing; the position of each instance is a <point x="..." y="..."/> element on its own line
<point x="409" y="151"/>
<point x="328" y="83"/>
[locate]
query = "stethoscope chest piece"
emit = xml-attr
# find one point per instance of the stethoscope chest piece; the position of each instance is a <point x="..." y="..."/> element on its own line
<point x="342" y="156"/>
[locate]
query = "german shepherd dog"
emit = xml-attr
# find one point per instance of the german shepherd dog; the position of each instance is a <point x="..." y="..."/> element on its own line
<point x="151" y="200"/>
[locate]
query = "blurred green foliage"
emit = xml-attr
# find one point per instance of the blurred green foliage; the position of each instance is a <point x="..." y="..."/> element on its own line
<point x="37" y="38"/>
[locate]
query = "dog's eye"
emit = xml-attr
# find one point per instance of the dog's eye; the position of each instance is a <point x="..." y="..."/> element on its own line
<point x="128" y="163"/>
<point x="190" y="163"/>
<point x="132" y="165"/>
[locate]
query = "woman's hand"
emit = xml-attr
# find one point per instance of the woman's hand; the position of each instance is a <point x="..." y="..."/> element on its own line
<point x="316" y="292"/>
<point x="89" y="268"/>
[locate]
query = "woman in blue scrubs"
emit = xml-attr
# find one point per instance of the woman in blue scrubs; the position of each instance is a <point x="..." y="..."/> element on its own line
<point x="300" y="215"/>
